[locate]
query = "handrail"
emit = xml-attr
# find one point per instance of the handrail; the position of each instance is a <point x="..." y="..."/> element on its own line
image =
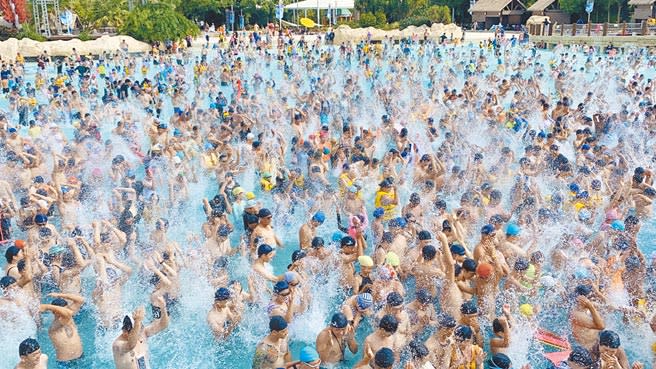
<point x="593" y="29"/>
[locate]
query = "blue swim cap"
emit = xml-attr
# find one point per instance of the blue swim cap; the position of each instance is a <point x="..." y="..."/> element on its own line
<point x="40" y="219"/>
<point x="319" y="217"/>
<point x="277" y="323"/>
<point x="609" y="339"/>
<point x="308" y="355"/>
<point x="617" y="225"/>
<point x="264" y="249"/>
<point x="280" y="286"/>
<point x="457" y="249"/>
<point x="222" y="294"/>
<point x="487" y="229"/>
<point x="512" y="229"/>
<point x="28" y="346"/>
<point x="398" y="222"/>
<point x="384" y="358"/>
<point x="336" y="237"/>
<point x="573" y="187"/>
<point x="364" y="300"/>
<point x="379" y="212"/>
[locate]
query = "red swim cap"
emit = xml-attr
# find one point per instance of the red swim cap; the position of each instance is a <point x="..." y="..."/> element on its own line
<point x="484" y="270"/>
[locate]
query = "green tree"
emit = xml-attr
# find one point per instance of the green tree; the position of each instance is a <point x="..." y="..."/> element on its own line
<point x="381" y="18"/>
<point x="367" y="20"/>
<point x="438" y="14"/>
<point x="158" y="22"/>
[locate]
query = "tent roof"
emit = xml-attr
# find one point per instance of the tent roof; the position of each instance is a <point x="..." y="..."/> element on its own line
<point x="490" y="5"/>
<point x="641" y="2"/>
<point x="540" y="5"/>
<point x="322" y="4"/>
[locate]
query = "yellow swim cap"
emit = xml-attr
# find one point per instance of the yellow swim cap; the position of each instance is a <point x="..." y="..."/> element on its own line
<point x="526" y="310"/>
<point x="237" y="190"/>
<point x="250" y="196"/>
<point x="392" y="259"/>
<point x="365" y="261"/>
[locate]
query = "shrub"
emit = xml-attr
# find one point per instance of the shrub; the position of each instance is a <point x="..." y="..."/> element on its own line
<point x="381" y="19"/>
<point x="28" y="31"/>
<point x="368" y="20"/>
<point x="439" y="14"/>
<point x="84" y="36"/>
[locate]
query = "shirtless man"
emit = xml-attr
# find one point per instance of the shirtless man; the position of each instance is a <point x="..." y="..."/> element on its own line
<point x="355" y="308"/>
<point x="264" y="230"/>
<point x="262" y="271"/>
<point x="130" y="348"/>
<point x="585" y="320"/>
<point x="384" y="336"/>
<point x="309" y="230"/>
<point x="31" y="356"/>
<point x="333" y="340"/>
<point x="273" y="351"/>
<point x="440" y="343"/>
<point x="63" y="331"/>
<point x="223" y="317"/>
<point x="451" y="297"/>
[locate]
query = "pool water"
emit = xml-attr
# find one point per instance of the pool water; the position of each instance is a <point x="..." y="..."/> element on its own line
<point x="188" y="343"/>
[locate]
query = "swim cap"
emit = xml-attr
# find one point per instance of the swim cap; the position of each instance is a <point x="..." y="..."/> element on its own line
<point x="280" y="286"/>
<point x="581" y="356"/>
<point x="468" y="307"/>
<point x="365" y="261"/>
<point x="609" y="339"/>
<point x="484" y="270"/>
<point x="250" y="196"/>
<point x="237" y="190"/>
<point x="11" y="252"/>
<point x="364" y="300"/>
<point x="298" y="255"/>
<point x="308" y="355"/>
<point x="38" y="179"/>
<point x="277" y="323"/>
<point x="389" y="323"/>
<point x="264" y="212"/>
<point x="446" y="321"/>
<point x="291" y="276"/>
<point x="526" y="310"/>
<point x="398" y="222"/>
<point x="7" y="281"/>
<point x="469" y="265"/>
<point x="394" y="299"/>
<point x="20" y="244"/>
<point x="584" y="214"/>
<point x="339" y="321"/>
<point x="521" y="264"/>
<point x="487" y="229"/>
<point x="573" y="187"/>
<point x="40" y="219"/>
<point x="28" y="346"/>
<point x="222" y="294"/>
<point x="457" y="249"/>
<point x="384" y="358"/>
<point x="223" y="231"/>
<point x="583" y="290"/>
<point x="392" y="259"/>
<point x="428" y="252"/>
<point x="379" y="212"/>
<point x="250" y="204"/>
<point x="353" y="189"/>
<point x="617" y="225"/>
<point x="512" y="229"/>
<point x="424" y="235"/>
<point x="499" y="361"/>
<point x="347" y="241"/>
<point x="463" y="332"/>
<point x="424" y="296"/>
<point x="317" y="242"/>
<point x="319" y="217"/>
<point x="264" y="249"/>
<point x="59" y="302"/>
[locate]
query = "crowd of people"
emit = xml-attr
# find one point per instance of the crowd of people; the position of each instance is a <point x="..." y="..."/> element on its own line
<point x="451" y="203"/>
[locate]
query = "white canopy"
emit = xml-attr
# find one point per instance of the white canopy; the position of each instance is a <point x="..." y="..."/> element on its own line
<point x="322" y="4"/>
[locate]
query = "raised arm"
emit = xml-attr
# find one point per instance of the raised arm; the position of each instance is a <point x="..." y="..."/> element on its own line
<point x="77" y="300"/>
<point x="159" y="324"/>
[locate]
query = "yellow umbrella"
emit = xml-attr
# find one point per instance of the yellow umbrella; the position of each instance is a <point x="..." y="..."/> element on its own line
<point x="307" y="22"/>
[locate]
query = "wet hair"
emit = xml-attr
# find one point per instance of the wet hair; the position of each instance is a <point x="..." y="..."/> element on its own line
<point x="424" y="235"/>
<point x="428" y="252"/>
<point x="317" y="242"/>
<point x="389" y="324"/>
<point x="581" y="356"/>
<point x="496" y="326"/>
<point x="28" y="346"/>
<point x="127" y="324"/>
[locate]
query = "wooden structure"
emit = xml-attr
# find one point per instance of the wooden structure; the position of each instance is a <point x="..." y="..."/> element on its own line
<point x="551" y="9"/>
<point x="643" y="10"/>
<point x="491" y="12"/>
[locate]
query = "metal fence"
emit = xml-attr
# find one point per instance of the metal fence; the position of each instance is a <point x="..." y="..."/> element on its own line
<point x="594" y="29"/>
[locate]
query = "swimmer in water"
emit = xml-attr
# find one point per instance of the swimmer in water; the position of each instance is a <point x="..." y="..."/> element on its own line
<point x="130" y="348"/>
<point x="333" y="340"/>
<point x="31" y="356"/>
<point x="273" y="350"/>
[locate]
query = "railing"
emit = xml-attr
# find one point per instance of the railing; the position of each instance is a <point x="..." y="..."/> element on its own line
<point x="593" y="29"/>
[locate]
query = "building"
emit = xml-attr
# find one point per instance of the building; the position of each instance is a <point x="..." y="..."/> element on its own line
<point x="551" y="9"/>
<point x="643" y="10"/>
<point x="491" y="12"/>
